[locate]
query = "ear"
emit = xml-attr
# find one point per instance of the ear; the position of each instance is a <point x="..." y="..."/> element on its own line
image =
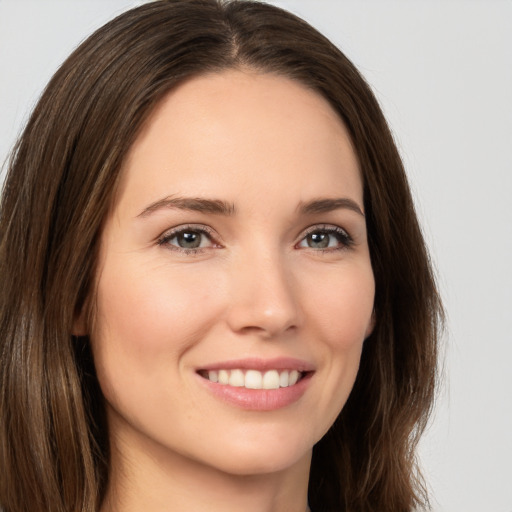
<point x="371" y="325"/>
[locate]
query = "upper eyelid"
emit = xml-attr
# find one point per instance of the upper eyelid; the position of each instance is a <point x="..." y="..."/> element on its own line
<point x="208" y="230"/>
<point x="201" y="228"/>
<point x="191" y="227"/>
<point x="323" y="227"/>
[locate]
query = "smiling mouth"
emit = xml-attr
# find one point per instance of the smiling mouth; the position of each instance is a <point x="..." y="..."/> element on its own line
<point x="254" y="379"/>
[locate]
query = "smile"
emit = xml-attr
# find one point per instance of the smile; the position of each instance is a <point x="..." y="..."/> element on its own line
<point x="258" y="384"/>
<point x="253" y="379"/>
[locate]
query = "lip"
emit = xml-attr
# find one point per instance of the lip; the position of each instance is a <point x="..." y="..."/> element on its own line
<point x="259" y="399"/>
<point x="278" y="363"/>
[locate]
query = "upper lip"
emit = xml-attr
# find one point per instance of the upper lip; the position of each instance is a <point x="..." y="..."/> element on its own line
<point x="278" y="363"/>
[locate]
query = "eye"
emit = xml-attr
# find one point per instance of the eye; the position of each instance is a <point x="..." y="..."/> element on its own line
<point x="187" y="239"/>
<point x="326" y="238"/>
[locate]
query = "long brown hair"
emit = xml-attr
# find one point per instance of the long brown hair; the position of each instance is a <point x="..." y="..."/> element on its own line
<point x="60" y="183"/>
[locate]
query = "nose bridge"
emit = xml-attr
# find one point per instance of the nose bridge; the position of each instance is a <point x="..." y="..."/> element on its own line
<point x="262" y="293"/>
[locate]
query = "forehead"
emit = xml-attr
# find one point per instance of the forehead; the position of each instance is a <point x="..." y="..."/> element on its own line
<point x="241" y="128"/>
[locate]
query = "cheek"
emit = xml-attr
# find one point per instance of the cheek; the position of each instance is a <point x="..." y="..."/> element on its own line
<point x="148" y="316"/>
<point x="151" y="306"/>
<point x="343" y="307"/>
<point x="343" y="313"/>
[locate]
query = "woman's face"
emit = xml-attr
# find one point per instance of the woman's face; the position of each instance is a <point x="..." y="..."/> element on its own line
<point x="236" y="252"/>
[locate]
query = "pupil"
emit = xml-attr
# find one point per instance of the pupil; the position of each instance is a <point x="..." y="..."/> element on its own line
<point x="319" y="240"/>
<point x="189" y="240"/>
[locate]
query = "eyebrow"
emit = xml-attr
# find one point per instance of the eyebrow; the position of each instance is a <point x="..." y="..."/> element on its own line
<point x="194" y="204"/>
<point x="329" y="205"/>
<point x="219" y="207"/>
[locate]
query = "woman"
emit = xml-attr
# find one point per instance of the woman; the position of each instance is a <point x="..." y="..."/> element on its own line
<point x="215" y="290"/>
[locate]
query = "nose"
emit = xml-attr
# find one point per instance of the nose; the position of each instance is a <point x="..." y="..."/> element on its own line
<point x="264" y="299"/>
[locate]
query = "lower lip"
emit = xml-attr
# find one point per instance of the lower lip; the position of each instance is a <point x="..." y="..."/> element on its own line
<point x="258" y="399"/>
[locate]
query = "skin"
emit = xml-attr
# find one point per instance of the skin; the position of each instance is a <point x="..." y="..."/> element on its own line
<point x="265" y="145"/>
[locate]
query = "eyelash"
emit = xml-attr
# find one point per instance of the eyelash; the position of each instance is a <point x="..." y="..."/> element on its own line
<point x="344" y="239"/>
<point x="169" y="235"/>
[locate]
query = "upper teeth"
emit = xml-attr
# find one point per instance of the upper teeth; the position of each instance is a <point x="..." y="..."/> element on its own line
<point x="254" y="379"/>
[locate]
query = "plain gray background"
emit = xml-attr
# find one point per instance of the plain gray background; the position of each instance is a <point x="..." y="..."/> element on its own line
<point x="442" y="71"/>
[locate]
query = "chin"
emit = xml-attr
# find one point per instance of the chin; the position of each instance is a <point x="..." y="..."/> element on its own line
<point x="258" y="458"/>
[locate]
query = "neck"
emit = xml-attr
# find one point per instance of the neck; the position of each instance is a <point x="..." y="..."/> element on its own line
<point x="147" y="477"/>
